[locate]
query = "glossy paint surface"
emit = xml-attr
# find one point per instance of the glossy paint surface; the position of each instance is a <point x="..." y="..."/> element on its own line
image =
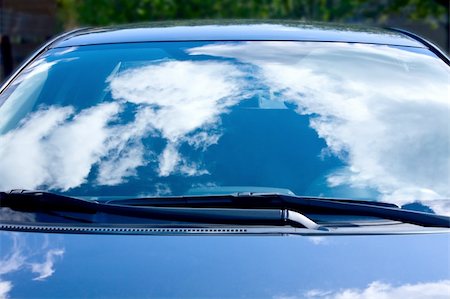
<point x="153" y="119"/>
<point x="79" y="266"/>
<point x="237" y="31"/>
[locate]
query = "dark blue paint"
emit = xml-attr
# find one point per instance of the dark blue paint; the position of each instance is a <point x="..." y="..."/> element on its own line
<point x="232" y="267"/>
<point x="238" y="30"/>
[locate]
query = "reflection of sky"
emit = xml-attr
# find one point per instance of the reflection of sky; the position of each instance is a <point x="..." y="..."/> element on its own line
<point x="429" y="290"/>
<point x="370" y="113"/>
<point x="232" y="267"/>
<point x="166" y="120"/>
<point x="21" y="255"/>
<point x="188" y="96"/>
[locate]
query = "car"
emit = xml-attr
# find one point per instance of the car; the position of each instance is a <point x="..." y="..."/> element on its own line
<point x="232" y="159"/>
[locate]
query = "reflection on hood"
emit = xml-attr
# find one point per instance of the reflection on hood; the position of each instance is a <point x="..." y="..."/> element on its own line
<point x="26" y="254"/>
<point x="376" y="290"/>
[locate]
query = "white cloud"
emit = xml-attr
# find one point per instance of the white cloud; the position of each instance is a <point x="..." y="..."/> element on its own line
<point x="406" y="195"/>
<point x="13" y="260"/>
<point x="125" y="150"/>
<point x="171" y="162"/>
<point x="179" y="101"/>
<point x="46" y="269"/>
<point x="181" y="98"/>
<point x="186" y="95"/>
<point x="115" y="169"/>
<point x="393" y="135"/>
<point x="78" y="144"/>
<point x="5" y="288"/>
<point x="7" y="214"/>
<point x="319" y="240"/>
<point x="191" y="168"/>
<point x="380" y="290"/>
<point x="18" y="258"/>
<point x="382" y="110"/>
<point x="54" y="147"/>
<point x="203" y="140"/>
<point x="162" y="189"/>
<point x="168" y="160"/>
<point x="22" y="153"/>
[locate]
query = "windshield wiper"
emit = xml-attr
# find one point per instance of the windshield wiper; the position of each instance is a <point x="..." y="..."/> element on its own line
<point x="240" y="208"/>
<point x="305" y="205"/>
<point x="44" y="204"/>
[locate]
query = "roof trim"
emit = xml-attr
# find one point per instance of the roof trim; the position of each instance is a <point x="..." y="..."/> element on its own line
<point x="262" y="31"/>
<point x="432" y="47"/>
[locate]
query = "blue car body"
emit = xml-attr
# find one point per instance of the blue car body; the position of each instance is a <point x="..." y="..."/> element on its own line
<point x="335" y="113"/>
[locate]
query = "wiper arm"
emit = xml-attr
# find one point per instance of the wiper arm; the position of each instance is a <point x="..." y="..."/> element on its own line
<point x="110" y="213"/>
<point x="305" y="205"/>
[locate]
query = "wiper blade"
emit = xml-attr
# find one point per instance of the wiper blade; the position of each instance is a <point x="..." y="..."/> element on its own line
<point x="305" y="205"/>
<point x="249" y="209"/>
<point x="113" y="213"/>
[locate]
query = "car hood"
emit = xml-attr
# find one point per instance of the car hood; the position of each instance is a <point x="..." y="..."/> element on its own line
<point x="38" y="265"/>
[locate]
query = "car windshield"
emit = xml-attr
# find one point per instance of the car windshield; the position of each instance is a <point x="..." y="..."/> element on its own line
<point x="181" y="118"/>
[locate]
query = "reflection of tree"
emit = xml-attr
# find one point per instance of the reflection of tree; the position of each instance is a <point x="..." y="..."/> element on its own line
<point x="103" y="12"/>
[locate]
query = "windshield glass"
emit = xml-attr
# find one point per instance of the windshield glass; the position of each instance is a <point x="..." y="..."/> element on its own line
<point x="178" y="118"/>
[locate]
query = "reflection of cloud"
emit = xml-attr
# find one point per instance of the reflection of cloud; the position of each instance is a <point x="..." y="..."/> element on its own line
<point x="13" y="260"/>
<point x="120" y="165"/>
<point x="18" y="255"/>
<point x="45" y="269"/>
<point x="7" y="214"/>
<point x="186" y="95"/>
<point x="21" y="149"/>
<point x="26" y="89"/>
<point x="390" y="124"/>
<point x="162" y="189"/>
<point x="203" y="140"/>
<point x="5" y="288"/>
<point x="168" y="160"/>
<point x="377" y="290"/>
<point x="427" y="196"/>
<point x="318" y="240"/>
<point x="178" y="101"/>
<point x="125" y="150"/>
<point x="79" y="143"/>
<point x="182" y="97"/>
<point x="392" y="134"/>
<point x="56" y="150"/>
